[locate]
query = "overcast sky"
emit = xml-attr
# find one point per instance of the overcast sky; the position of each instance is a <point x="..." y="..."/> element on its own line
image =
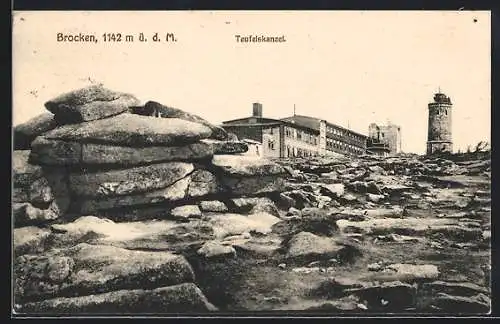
<point x="350" y="68"/>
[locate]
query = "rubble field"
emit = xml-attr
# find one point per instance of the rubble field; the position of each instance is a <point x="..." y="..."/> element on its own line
<point x="117" y="212"/>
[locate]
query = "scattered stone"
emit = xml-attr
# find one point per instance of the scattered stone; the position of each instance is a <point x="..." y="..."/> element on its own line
<point x="213" y="206"/>
<point x="374" y="198"/>
<point x="213" y="249"/>
<point x="186" y="211"/>
<point x="334" y="190"/>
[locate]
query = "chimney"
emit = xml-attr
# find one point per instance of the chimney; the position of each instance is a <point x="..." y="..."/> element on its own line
<point x="257" y="109"/>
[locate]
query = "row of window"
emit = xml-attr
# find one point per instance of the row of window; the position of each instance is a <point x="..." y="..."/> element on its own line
<point x="301" y="135"/>
<point x="338" y="132"/>
<point x="334" y="144"/>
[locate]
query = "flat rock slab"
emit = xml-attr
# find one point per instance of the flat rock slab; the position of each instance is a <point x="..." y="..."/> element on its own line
<point x="404" y="272"/>
<point x="128" y="181"/>
<point x="89" y="269"/>
<point x="393" y="225"/>
<point x="152" y="108"/>
<point x="182" y="298"/>
<point x="158" y="235"/>
<point x="175" y="192"/>
<point x="214" y="249"/>
<point x="89" y="103"/>
<point x="186" y="211"/>
<point x="235" y="224"/>
<point x="56" y="152"/>
<point x="227" y="147"/>
<point x="240" y="165"/>
<point x="479" y="303"/>
<point x="26" y="133"/>
<point x="133" y="130"/>
<point x="455" y="288"/>
<point x="23" y="172"/>
<point x="29" y="239"/>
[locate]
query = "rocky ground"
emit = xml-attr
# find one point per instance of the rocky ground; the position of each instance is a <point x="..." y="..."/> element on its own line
<point x="118" y="211"/>
<point x="351" y="235"/>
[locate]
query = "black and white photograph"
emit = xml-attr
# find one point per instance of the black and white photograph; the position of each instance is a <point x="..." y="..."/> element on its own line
<point x="189" y="163"/>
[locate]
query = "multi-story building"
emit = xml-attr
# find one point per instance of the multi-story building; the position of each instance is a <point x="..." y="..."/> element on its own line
<point x="297" y="136"/>
<point x="383" y="137"/>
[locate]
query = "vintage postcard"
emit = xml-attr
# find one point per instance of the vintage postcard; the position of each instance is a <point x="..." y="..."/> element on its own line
<point x="195" y="163"/>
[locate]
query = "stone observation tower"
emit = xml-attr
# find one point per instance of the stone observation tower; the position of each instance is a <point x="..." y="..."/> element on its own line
<point x="439" y="127"/>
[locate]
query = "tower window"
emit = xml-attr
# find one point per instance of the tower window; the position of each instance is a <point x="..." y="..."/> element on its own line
<point x="446" y="112"/>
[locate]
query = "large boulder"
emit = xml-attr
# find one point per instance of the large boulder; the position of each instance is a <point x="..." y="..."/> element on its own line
<point x="176" y="191"/>
<point x="56" y="152"/>
<point x="26" y="133"/>
<point x="90" y="269"/>
<point x="89" y="103"/>
<point x="182" y="298"/>
<point x="23" y="172"/>
<point x="128" y="181"/>
<point x="152" y="108"/>
<point x="133" y="130"/>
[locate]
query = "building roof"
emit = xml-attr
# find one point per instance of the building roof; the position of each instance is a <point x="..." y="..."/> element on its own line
<point x="313" y="123"/>
<point x="248" y="120"/>
<point x="304" y="121"/>
<point x="250" y="141"/>
<point x="299" y="121"/>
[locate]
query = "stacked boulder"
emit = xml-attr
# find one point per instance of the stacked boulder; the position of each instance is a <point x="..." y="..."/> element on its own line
<point x="122" y="162"/>
<point x="98" y="153"/>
